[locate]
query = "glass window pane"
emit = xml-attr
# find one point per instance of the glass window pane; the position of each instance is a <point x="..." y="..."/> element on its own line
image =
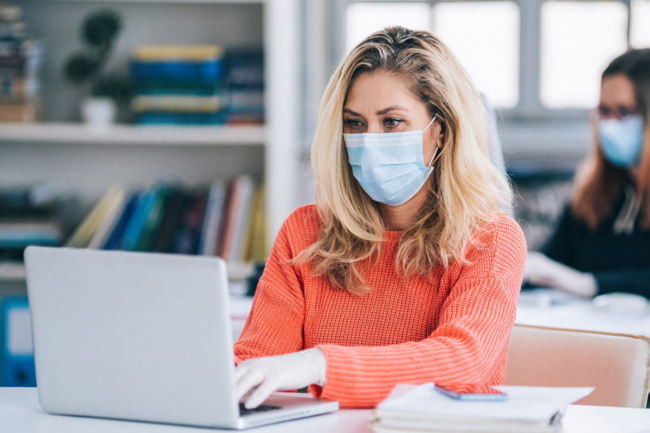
<point x="485" y="38"/>
<point x="362" y="19"/>
<point x="579" y="39"/>
<point x="640" y="24"/>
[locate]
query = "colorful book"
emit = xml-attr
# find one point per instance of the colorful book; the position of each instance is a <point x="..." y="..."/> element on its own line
<point x="84" y="233"/>
<point x="136" y="226"/>
<point x="213" y="218"/>
<point x="175" y="208"/>
<point x="115" y="239"/>
<point x="110" y="220"/>
<point x="187" y="239"/>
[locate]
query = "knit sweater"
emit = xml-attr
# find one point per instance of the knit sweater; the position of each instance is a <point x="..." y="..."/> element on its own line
<point x="452" y="330"/>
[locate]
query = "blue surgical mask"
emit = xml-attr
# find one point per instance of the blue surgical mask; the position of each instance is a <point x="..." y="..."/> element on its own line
<point x="622" y="140"/>
<point x="389" y="166"/>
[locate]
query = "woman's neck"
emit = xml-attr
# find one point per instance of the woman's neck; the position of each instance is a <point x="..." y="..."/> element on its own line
<point x="402" y="216"/>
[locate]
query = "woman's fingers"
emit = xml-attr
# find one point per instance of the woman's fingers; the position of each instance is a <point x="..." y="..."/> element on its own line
<point x="249" y="381"/>
<point x="261" y="394"/>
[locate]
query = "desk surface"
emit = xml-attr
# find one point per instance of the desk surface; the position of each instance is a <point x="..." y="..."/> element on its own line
<point x="581" y="314"/>
<point x="20" y="412"/>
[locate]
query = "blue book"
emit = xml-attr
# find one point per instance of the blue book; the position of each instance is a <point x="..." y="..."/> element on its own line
<point x="201" y="72"/>
<point x="115" y="239"/>
<point x="218" y="118"/>
<point x="136" y="224"/>
<point x="17" y="363"/>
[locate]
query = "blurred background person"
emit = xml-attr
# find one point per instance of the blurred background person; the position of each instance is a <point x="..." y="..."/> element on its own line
<point x="602" y="241"/>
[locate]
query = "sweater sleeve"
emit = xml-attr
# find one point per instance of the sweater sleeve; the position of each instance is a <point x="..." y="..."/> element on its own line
<point x="275" y="323"/>
<point x="624" y="280"/>
<point x="470" y="341"/>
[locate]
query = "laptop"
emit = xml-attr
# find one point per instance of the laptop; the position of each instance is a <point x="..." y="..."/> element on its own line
<point x="140" y="336"/>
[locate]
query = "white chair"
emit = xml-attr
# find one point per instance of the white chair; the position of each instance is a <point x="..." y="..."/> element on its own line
<point x="616" y="364"/>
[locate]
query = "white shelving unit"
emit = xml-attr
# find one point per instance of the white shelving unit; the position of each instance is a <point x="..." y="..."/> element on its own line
<point x="80" y="159"/>
<point x="74" y="133"/>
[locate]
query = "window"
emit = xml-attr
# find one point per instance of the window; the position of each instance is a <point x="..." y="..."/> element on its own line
<point x="532" y="59"/>
<point x="366" y="18"/>
<point x="579" y="39"/>
<point x="485" y="37"/>
<point x="640" y="24"/>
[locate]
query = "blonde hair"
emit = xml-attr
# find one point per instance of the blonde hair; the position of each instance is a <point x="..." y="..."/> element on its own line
<point x="465" y="187"/>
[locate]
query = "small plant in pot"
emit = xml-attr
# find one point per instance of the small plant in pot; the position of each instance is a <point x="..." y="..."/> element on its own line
<point x="99" y="33"/>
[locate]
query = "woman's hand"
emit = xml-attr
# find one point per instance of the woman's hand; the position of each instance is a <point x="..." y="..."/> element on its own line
<point x="542" y="271"/>
<point x="258" y="378"/>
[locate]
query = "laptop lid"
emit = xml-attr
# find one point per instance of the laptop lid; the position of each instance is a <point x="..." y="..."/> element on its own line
<point x="135" y="336"/>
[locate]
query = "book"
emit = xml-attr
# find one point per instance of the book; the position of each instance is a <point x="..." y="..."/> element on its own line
<point x="135" y="229"/>
<point x="18" y="110"/>
<point x="19" y="234"/>
<point x="153" y="219"/>
<point x="213" y="218"/>
<point x="84" y="233"/>
<point x="170" y="223"/>
<point x="192" y="53"/>
<point x="110" y="220"/>
<point x="188" y="236"/>
<point x="242" y="215"/>
<point x="178" y="103"/>
<point x="115" y="238"/>
<point x="421" y="408"/>
<point x="159" y="118"/>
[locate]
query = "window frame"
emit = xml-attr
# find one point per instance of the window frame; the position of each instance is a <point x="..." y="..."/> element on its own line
<point x="529" y="106"/>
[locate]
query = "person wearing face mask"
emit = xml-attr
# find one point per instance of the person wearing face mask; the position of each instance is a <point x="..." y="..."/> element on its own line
<point x="602" y="241"/>
<point x="404" y="271"/>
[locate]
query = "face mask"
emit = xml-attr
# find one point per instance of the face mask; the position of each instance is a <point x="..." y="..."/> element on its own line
<point x="389" y="166"/>
<point x="622" y="140"/>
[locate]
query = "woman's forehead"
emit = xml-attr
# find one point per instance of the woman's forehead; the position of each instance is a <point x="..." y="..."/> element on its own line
<point x="371" y="93"/>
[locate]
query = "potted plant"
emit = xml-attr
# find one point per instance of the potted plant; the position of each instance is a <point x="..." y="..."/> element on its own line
<point x="99" y="32"/>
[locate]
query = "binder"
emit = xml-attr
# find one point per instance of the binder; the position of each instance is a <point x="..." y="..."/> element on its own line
<point x="17" y="363"/>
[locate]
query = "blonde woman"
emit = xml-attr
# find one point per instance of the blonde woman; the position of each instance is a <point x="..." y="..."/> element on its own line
<point x="404" y="271"/>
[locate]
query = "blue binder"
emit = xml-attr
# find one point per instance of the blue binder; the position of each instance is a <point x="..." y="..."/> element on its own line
<point x="17" y="357"/>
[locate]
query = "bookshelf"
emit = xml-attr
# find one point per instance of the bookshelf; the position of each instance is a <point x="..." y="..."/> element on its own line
<point x="75" y="133"/>
<point x="77" y="159"/>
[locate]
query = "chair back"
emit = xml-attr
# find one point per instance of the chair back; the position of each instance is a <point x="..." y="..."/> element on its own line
<point x="615" y="364"/>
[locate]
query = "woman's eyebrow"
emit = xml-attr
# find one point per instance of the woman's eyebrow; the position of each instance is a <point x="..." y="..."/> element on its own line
<point x="393" y="108"/>
<point x="381" y="112"/>
<point x="347" y="110"/>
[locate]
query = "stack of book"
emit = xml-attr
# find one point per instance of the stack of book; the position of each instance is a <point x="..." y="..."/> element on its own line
<point x="20" y="59"/>
<point x="225" y="219"/>
<point x="412" y="408"/>
<point x="245" y="87"/>
<point x="27" y="217"/>
<point x="179" y="85"/>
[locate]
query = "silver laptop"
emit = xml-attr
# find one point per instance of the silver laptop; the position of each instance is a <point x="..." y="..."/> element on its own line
<point x="140" y="336"/>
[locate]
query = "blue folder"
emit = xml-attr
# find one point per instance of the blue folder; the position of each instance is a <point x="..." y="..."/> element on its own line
<point x="17" y="358"/>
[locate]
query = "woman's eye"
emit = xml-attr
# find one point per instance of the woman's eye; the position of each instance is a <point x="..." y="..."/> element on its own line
<point x="352" y="123"/>
<point x="391" y="122"/>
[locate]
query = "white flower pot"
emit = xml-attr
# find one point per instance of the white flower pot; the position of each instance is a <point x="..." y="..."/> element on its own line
<point x="98" y="112"/>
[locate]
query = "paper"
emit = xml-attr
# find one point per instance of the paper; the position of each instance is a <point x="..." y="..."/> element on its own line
<point x="525" y="403"/>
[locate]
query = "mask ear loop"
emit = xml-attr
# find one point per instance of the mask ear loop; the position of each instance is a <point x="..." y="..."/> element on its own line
<point x="430" y="164"/>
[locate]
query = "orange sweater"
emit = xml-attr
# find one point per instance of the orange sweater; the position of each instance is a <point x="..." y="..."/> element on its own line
<point x="455" y="330"/>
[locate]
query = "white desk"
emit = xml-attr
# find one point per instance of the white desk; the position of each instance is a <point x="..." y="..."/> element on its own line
<point x="20" y="413"/>
<point x="581" y="314"/>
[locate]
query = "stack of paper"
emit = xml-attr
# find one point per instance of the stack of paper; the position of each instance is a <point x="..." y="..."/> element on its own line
<point x="411" y="408"/>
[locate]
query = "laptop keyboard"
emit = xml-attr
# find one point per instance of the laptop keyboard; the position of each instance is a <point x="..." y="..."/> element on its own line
<point x="261" y="408"/>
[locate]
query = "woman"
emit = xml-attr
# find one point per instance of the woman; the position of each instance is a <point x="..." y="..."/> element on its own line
<point x="404" y="272"/>
<point x="602" y="242"/>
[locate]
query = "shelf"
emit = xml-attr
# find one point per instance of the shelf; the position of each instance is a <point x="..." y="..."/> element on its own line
<point x="227" y="2"/>
<point x="74" y="133"/>
<point x="16" y="271"/>
<point x="12" y="272"/>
